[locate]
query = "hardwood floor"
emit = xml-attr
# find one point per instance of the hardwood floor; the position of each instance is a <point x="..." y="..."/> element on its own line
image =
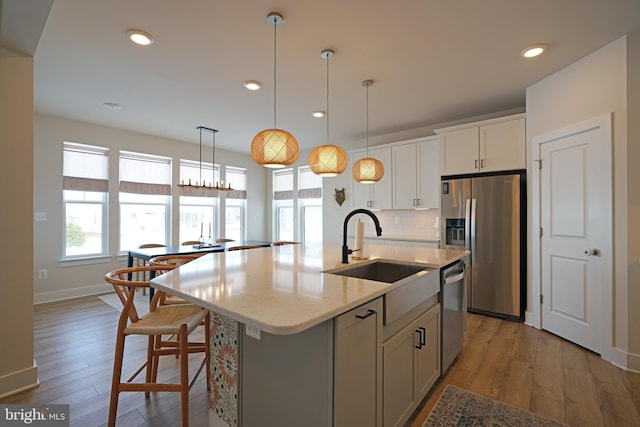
<point x="540" y="372"/>
<point x="531" y="369"/>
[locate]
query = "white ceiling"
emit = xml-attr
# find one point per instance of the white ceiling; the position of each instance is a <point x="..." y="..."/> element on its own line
<point x="432" y="61"/>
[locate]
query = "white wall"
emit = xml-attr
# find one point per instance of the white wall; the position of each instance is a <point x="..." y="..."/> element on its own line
<point x="595" y="85"/>
<point x="66" y="280"/>
<point x="17" y="367"/>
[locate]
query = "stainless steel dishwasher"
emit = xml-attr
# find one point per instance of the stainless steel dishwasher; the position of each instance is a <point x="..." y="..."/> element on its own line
<point x="452" y="285"/>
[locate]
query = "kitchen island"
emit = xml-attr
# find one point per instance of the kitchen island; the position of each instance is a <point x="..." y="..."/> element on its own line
<point x="280" y="351"/>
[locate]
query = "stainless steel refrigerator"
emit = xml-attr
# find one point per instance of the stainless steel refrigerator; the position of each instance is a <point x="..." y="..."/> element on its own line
<point x="485" y="214"/>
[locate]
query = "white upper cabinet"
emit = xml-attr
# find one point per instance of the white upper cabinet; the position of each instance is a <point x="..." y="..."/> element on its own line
<point x="490" y="145"/>
<point x="378" y="195"/>
<point x="415" y="175"/>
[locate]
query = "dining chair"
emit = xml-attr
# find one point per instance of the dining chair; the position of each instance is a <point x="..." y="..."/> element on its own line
<point x="284" y="242"/>
<point x="140" y="262"/>
<point x="170" y="262"/>
<point x="223" y="240"/>
<point x="178" y="320"/>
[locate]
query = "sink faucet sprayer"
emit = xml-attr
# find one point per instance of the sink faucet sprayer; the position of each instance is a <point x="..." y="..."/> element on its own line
<point x="345" y="249"/>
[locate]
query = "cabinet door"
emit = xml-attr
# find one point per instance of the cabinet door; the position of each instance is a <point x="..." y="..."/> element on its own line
<point x="381" y="190"/>
<point x="398" y="376"/>
<point x="428" y="356"/>
<point x="502" y="146"/>
<point x="458" y="151"/>
<point x="428" y="177"/>
<point x="405" y="176"/>
<point x="357" y="369"/>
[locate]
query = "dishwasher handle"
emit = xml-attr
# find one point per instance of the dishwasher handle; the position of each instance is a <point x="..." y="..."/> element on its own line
<point x="453" y="279"/>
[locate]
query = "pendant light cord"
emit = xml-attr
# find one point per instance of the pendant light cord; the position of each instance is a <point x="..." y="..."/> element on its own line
<point x="328" y="115"/>
<point x="275" y="27"/>
<point x="201" y="156"/>
<point x="368" y="120"/>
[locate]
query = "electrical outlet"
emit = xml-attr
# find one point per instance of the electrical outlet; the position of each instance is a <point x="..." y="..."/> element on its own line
<point x="253" y="331"/>
<point x="396" y="220"/>
<point x="41" y="216"/>
<point x="43" y="273"/>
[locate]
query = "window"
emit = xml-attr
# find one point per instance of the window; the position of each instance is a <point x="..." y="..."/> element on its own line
<point x="235" y="203"/>
<point x="145" y="189"/>
<point x="283" y="204"/>
<point x="85" y="189"/>
<point x="310" y="205"/>
<point x="198" y="206"/>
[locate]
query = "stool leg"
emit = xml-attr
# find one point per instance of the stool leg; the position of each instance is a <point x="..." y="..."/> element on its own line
<point x="207" y="349"/>
<point x="115" y="382"/>
<point x="184" y="374"/>
<point x="152" y="367"/>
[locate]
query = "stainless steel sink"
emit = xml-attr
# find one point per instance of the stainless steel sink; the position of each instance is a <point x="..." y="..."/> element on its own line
<point x="380" y="271"/>
<point x="415" y="283"/>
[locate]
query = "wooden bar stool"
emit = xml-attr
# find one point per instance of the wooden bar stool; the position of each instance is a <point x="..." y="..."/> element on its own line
<point x="179" y="320"/>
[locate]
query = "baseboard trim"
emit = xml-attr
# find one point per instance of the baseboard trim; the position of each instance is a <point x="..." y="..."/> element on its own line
<point x="64" y="294"/>
<point x="18" y="381"/>
<point x="630" y="362"/>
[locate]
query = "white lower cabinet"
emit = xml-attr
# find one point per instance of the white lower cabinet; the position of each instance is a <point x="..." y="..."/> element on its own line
<point x="411" y="365"/>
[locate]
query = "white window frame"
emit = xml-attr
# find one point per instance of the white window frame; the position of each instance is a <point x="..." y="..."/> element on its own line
<point x="236" y="199"/>
<point x="158" y="187"/>
<point x="210" y="174"/>
<point x="86" y="179"/>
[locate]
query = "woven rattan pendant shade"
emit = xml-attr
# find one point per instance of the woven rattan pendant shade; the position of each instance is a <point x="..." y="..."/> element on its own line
<point x="367" y="170"/>
<point x="328" y="160"/>
<point x="274" y="148"/>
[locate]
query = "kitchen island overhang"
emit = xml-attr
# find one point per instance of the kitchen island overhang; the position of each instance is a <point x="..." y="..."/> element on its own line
<point x="278" y="330"/>
<point x="284" y="290"/>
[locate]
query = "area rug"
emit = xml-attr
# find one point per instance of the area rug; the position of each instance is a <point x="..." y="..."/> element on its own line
<point x="458" y="407"/>
<point x="141" y="301"/>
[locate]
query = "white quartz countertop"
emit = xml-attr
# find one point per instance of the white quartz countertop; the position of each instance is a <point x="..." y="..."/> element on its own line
<point x="283" y="290"/>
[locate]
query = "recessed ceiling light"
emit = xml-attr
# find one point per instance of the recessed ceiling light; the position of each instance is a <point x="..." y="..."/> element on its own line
<point x="534" y="50"/>
<point x="252" y="84"/>
<point x="318" y="113"/>
<point x="140" y="37"/>
<point x="111" y="105"/>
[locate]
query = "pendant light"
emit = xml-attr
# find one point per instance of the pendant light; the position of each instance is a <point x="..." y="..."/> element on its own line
<point x="201" y="183"/>
<point x="274" y="148"/>
<point x="328" y="160"/>
<point x="367" y="170"/>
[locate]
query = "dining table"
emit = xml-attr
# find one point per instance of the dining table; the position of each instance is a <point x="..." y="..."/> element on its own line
<point x="147" y="253"/>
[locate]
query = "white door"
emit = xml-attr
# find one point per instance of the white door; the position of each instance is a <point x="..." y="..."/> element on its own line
<point x="576" y="243"/>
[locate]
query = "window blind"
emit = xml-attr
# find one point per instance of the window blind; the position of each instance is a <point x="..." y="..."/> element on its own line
<point x="283" y="184"/>
<point x="309" y="184"/>
<point x="85" y="168"/>
<point x="145" y="173"/>
<point x="237" y="177"/>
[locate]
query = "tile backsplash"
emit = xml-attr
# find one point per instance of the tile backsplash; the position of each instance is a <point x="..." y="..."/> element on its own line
<point x="406" y="224"/>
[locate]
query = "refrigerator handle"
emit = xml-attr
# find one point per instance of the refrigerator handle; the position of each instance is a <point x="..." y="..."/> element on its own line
<point x="473" y="230"/>
<point x="467" y="225"/>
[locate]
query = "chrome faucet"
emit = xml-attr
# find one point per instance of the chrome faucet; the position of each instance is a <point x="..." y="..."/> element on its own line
<point x="345" y="249"/>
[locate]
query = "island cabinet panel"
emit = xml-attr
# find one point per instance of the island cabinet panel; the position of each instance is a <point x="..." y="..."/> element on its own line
<point x="411" y="365"/>
<point x="358" y="366"/>
<point x="287" y="379"/>
<point x="328" y="375"/>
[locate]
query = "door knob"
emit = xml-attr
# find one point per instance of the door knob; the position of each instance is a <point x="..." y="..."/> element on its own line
<point x="592" y="252"/>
